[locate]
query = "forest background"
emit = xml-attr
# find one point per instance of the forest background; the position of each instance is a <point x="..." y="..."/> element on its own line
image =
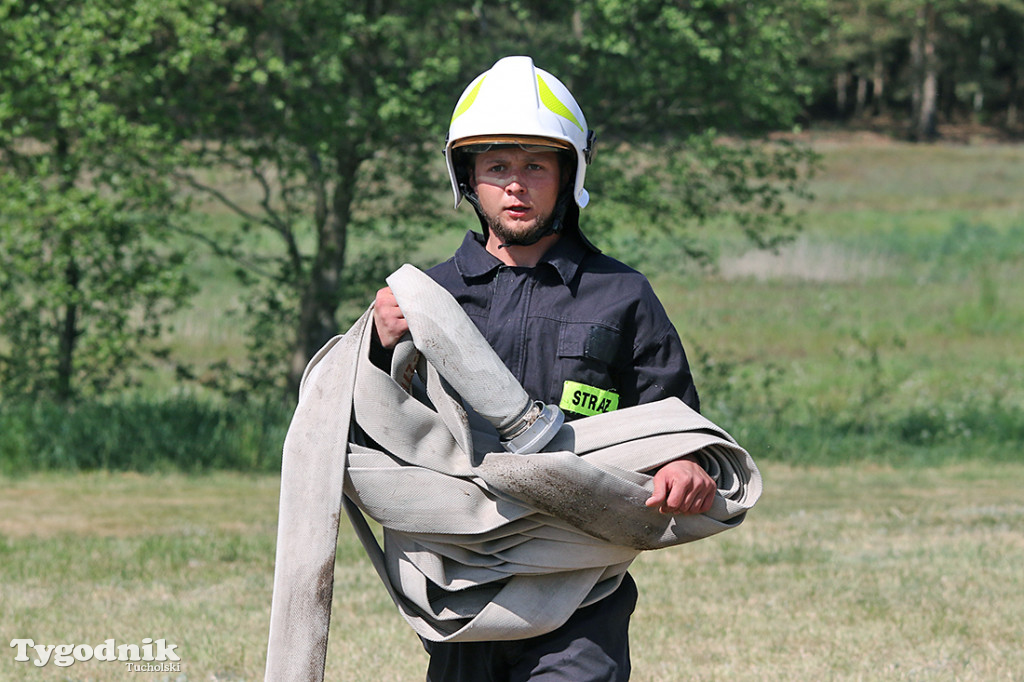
<point x="197" y="195"/>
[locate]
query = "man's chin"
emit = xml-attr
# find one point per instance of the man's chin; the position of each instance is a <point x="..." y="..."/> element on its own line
<point x="519" y="234"/>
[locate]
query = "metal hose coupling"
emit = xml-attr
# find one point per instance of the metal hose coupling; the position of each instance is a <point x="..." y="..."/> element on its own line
<point x="533" y="429"/>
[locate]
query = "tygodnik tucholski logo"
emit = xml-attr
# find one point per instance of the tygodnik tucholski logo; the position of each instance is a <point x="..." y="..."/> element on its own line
<point x="149" y="656"/>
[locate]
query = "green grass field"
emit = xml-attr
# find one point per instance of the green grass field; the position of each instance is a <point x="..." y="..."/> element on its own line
<point x="891" y="327"/>
<point x="871" y="367"/>
<point x="840" y="573"/>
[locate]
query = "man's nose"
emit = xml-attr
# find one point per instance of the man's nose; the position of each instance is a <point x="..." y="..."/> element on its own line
<point x="514" y="186"/>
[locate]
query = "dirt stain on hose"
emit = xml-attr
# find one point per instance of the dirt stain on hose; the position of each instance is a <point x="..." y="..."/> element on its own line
<point x="617" y="521"/>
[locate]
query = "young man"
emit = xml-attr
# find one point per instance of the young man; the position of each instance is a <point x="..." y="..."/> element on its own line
<point x="577" y="328"/>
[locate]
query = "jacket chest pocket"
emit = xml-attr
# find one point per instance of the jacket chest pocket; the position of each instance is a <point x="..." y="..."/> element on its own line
<point x="588" y="355"/>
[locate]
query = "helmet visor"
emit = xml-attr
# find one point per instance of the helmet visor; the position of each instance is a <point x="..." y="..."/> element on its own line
<point x="485" y="143"/>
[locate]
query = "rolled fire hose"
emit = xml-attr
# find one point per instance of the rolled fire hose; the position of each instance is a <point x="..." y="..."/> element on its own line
<point x="439" y="327"/>
<point x="485" y="536"/>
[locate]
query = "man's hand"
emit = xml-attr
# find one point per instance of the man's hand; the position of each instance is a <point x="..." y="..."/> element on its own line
<point x="682" y="487"/>
<point x="388" y="319"/>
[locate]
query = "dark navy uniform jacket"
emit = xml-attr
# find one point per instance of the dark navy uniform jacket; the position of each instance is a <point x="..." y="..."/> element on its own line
<point x="579" y="325"/>
<point x="580" y="329"/>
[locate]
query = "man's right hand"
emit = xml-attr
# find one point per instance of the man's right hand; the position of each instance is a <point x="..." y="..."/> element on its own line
<point x="388" y="320"/>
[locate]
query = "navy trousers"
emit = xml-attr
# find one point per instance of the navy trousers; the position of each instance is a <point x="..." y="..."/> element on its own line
<point x="592" y="646"/>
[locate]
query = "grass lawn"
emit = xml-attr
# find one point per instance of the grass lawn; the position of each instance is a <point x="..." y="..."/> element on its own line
<point x="841" y="573"/>
<point x="898" y="309"/>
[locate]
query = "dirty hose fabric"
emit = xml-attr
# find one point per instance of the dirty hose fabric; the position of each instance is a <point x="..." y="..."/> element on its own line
<point x="478" y="543"/>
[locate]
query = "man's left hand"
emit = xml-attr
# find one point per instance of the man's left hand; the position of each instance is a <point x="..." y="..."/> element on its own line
<point x="682" y="487"/>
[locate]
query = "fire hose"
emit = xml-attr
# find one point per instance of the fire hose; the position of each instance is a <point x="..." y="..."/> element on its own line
<point x="498" y="519"/>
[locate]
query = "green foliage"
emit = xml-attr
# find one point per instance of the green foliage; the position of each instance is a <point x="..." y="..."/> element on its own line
<point x="317" y="125"/>
<point x="763" y="409"/>
<point x="319" y="112"/>
<point x="683" y="188"/>
<point x="959" y="426"/>
<point x="84" y="290"/>
<point x="330" y="118"/>
<point x="136" y="434"/>
<point x="86" y="277"/>
<point x="882" y="50"/>
<point x="315" y="121"/>
<point x="656" y="70"/>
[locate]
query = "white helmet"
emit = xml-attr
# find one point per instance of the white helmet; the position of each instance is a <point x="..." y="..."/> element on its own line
<point x="515" y="102"/>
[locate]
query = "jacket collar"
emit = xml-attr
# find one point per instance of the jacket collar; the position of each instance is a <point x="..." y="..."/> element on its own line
<point x="473" y="261"/>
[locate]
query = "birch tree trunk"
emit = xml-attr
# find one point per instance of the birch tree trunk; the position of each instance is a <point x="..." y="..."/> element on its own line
<point x="926" y="85"/>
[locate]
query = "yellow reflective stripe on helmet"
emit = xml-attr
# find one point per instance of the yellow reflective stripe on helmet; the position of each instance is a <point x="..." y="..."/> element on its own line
<point x="551" y="101"/>
<point x="467" y="102"/>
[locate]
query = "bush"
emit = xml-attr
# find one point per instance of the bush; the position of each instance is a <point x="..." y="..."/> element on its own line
<point x="761" y="406"/>
<point x="182" y="434"/>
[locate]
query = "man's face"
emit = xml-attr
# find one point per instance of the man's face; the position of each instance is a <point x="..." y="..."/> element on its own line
<point x="517" y="190"/>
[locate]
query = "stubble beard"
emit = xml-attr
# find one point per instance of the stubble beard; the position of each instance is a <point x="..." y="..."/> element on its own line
<point x="511" y="237"/>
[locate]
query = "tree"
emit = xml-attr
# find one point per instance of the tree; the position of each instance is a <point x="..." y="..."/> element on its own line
<point x="925" y="70"/>
<point x="86" y="276"/>
<point x="946" y="59"/>
<point x="681" y="96"/>
<point x="333" y="113"/>
<point x="650" y="68"/>
<point x="986" y="58"/>
<point x="862" y="46"/>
